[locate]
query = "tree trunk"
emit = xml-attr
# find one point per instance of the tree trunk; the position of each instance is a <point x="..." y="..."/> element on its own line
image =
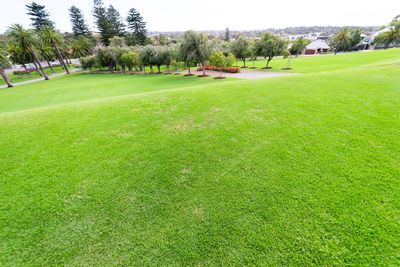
<point x="5" y="77"/>
<point x="60" y="57"/>
<point x="123" y="69"/>
<point x="220" y="73"/>
<point x="188" y="65"/>
<point x="35" y="57"/>
<point x="37" y="69"/>
<point x="168" y="69"/>
<point x="51" y="68"/>
<point x="204" y="68"/>
<point x="141" y="68"/>
<point x="244" y="63"/>
<point x="269" y="59"/>
<point x="66" y="60"/>
<point x="288" y="64"/>
<point x="110" y="68"/>
<point x="159" y="68"/>
<point x="26" y="70"/>
<point x="151" y="68"/>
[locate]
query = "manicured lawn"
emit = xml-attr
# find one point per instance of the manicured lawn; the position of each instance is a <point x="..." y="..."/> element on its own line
<point x="83" y="87"/>
<point x="33" y="75"/>
<point x="295" y="171"/>
<point x="327" y="63"/>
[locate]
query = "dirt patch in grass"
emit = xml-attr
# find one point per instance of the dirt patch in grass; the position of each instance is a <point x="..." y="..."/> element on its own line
<point x="219" y="78"/>
<point x="202" y="76"/>
<point x="186" y="75"/>
<point x="286" y="69"/>
<point x="266" y="68"/>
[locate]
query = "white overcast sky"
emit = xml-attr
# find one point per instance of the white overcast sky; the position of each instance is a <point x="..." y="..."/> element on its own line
<point x="179" y="15"/>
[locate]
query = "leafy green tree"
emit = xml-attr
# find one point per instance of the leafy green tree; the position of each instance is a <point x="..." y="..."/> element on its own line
<point x="88" y="62"/>
<point x="240" y="49"/>
<point x="391" y="37"/>
<point x="39" y="16"/>
<point x="104" y="58"/>
<point x="50" y="37"/>
<point x="79" y="26"/>
<point x="130" y="60"/>
<point x="286" y="54"/>
<point x="299" y="45"/>
<point x="4" y="63"/>
<point x="196" y="48"/>
<point x="253" y="52"/>
<point x="188" y="49"/>
<point x="164" y="57"/>
<point x="137" y="27"/>
<point x="116" y="52"/>
<point x="148" y="56"/>
<point x="269" y="46"/>
<point x="175" y="55"/>
<point x="26" y="40"/>
<point x="118" y="41"/>
<point x="220" y="61"/>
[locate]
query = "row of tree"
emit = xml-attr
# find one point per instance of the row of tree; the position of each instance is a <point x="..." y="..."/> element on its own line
<point x="194" y="49"/>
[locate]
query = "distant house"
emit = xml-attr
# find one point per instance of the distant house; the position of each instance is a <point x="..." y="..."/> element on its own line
<point x="318" y="46"/>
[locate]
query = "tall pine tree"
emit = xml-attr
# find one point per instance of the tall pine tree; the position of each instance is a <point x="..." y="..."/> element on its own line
<point x="79" y="26"/>
<point x="39" y="16"/>
<point x="137" y="26"/>
<point x="116" y="22"/>
<point x="108" y="21"/>
<point x="227" y="35"/>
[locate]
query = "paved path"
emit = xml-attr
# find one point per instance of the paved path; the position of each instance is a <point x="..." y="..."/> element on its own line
<point x="42" y="79"/>
<point x="244" y="74"/>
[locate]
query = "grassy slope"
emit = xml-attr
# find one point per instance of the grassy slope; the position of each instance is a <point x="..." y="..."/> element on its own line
<point x="33" y="75"/>
<point x="82" y="87"/>
<point x="293" y="170"/>
<point x="327" y="63"/>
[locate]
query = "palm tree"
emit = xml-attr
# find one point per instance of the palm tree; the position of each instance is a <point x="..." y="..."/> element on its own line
<point x="48" y="55"/>
<point x="19" y="56"/>
<point x="341" y="41"/>
<point x="4" y="62"/>
<point x="390" y="37"/>
<point x="26" y="40"/>
<point x="299" y="45"/>
<point x="52" y="38"/>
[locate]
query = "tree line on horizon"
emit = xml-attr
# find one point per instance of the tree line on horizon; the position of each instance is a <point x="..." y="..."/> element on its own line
<point x="118" y="47"/>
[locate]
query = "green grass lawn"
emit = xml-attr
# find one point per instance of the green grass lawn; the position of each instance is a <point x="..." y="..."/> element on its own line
<point x="297" y="170"/>
<point x="330" y="62"/>
<point x="33" y="75"/>
<point x="85" y="86"/>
